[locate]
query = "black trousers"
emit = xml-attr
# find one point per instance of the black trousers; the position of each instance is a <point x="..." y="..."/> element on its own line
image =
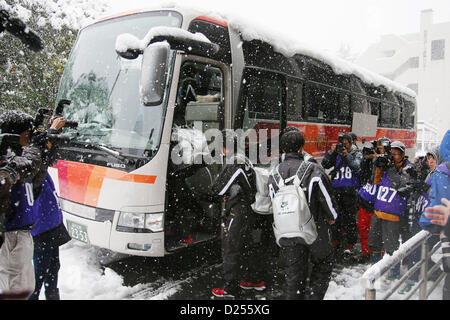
<point x="295" y="259"/>
<point x="347" y="214"/>
<point x="301" y="262"/>
<point x="244" y="257"/>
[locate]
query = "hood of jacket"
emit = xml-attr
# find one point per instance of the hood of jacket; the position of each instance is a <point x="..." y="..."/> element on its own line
<point x="436" y="155"/>
<point x="444" y="149"/>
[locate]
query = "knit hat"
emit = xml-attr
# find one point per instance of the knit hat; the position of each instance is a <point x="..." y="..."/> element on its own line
<point x="15" y="122"/>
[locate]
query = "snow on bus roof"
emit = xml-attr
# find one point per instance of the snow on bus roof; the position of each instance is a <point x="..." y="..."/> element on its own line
<point x="290" y="47"/>
<point x="251" y="30"/>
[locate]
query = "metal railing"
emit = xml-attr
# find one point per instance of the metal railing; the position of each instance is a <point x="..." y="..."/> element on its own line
<point x="376" y="271"/>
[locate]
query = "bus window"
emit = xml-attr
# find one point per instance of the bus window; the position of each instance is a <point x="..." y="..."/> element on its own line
<point x="199" y="96"/>
<point x="395" y="116"/>
<point x="374" y="108"/>
<point x="263" y="98"/>
<point x="343" y="114"/>
<point x="321" y="103"/>
<point x="294" y="101"/>
<point x="385" y="118"/>
<point x="359" y="104"/>
<point x="408" y="114"/>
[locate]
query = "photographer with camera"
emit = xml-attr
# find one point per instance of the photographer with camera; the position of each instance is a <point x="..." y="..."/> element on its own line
<point x="346" y="160"/>
<point x="367" y="195"/>
<point x="48" y="232"/>
<point x="16" y="269"/>
<point x="394" y="188"/>
<point x="16" y="253"/>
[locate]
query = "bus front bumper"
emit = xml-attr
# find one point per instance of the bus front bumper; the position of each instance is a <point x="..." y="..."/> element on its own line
<point x="104" y="235"/>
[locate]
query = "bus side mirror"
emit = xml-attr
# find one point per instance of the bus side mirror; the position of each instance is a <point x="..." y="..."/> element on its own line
<point x="154" y="73"/>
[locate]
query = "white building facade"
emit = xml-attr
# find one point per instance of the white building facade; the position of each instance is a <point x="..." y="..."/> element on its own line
<point x="427" y="137"/>
<point x="420" y="61"/>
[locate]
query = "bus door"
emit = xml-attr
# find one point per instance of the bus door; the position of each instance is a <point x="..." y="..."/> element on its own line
<point x="199" y="115"/>
<point x="264" y="111"/>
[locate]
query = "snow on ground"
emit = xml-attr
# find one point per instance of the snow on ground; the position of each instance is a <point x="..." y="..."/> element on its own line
<point x="82" y="278"/>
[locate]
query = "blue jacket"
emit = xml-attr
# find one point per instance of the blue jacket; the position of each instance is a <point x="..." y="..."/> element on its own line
<point x="46" y="211"/>
<point x="440" y="183"/>
<point x="22" y="207"/>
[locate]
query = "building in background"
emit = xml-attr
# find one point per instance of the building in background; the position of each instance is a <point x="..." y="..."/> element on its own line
<point x="420" y="61"/>
<point x="427" y="137"/>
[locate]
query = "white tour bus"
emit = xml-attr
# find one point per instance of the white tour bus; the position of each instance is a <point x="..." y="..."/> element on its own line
<point x="137" y="80"/>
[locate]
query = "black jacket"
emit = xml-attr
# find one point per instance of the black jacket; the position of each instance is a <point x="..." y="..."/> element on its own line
<point x="236" y="182"/>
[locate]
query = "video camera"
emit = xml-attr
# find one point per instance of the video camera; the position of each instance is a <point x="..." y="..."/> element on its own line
<point x="418" y="175"/>
<point x="19" y="29"/>
<point x="340" y="145"/>
<point x="42" y="121"/>
<point x="8" y="140"/>
<point x="421" y="169"/>
<point x="370" y="149"/>
<point x="59" y="113"/>
<point x="385" y="160"/>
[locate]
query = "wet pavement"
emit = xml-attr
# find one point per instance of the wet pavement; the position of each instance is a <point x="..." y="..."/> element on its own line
<point x="189" y="274"/>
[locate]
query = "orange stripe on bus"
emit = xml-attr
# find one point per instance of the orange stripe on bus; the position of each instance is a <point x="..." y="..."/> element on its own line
<point x="81" y="182"/>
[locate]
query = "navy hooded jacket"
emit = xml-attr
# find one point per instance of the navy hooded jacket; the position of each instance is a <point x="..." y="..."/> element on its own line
<point x="440" y="184"/>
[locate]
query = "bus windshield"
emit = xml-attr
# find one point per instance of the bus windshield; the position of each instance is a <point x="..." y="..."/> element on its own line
<point x="104" y="88"/>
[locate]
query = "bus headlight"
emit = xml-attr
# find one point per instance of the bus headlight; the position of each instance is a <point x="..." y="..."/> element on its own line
<point x="140" y="222"/>
<point x="154" y="222"/>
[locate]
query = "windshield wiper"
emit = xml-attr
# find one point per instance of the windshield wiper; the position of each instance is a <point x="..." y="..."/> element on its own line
<point x="125" y="157"/>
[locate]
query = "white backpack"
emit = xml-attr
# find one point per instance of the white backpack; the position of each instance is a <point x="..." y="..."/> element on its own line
<point x="291" y="214"/>
<point x="263" y="203"/>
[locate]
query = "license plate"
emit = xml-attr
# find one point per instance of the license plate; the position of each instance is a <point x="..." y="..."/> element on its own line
<point x="77" y="231"/>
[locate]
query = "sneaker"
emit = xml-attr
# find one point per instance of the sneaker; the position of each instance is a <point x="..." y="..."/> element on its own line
<point x="408" y="286"/>
<point x="361" y="258"/>
<point x="335" y="243"/>
<point x="188" y="240"/>
<point x="348" y="249"/>
<point x="393" y="275"/>
<point x="250" y="285"/>
<point x="220" y="293"/>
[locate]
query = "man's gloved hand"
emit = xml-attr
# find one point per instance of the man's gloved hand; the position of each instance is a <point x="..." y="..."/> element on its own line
<point x="404" y="191"/>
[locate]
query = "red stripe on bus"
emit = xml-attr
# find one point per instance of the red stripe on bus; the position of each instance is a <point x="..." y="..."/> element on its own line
<point x="213" y="20"/>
